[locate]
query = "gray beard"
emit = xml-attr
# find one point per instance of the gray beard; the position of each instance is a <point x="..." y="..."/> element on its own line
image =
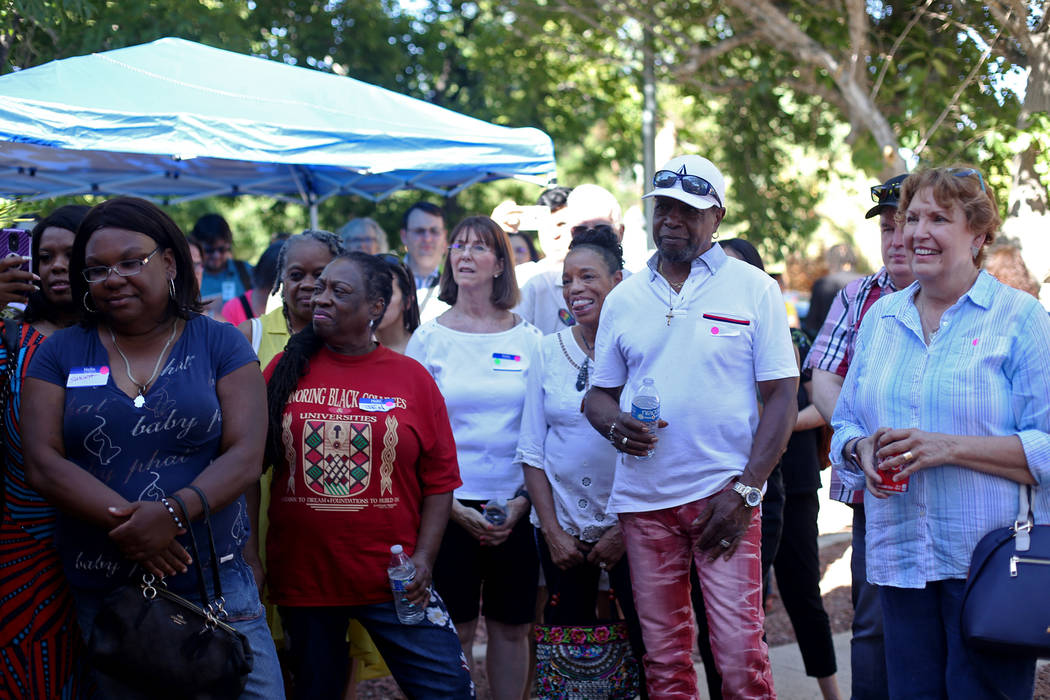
<point x="680" y="255"/>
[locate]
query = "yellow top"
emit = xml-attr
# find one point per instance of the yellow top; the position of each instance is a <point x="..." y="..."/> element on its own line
<point x="274" y="336"/>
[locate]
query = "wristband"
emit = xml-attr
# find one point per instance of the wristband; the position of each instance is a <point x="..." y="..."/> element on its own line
<point x="852" y="454"/>
<point x="609" y="436"/>
<point x="522" y="492"/>
<point x="174" y="515"/>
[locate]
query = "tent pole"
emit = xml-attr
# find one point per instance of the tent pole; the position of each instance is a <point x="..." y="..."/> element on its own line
<point x="313" y="215"/>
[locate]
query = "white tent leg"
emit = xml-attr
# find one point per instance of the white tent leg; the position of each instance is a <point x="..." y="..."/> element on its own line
<point x="313" y="216"/>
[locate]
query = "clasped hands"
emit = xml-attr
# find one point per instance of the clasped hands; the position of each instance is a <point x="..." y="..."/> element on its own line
<point x="145" y="533"/>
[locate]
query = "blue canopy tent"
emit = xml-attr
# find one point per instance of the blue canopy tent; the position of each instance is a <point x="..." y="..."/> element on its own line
<point x="173" y="120"/>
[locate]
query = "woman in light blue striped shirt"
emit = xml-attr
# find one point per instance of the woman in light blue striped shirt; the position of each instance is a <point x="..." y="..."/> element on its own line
<point x="950" y="385"/>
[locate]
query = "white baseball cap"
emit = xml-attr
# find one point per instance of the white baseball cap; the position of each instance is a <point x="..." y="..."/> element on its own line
<point x="699" y="167"/>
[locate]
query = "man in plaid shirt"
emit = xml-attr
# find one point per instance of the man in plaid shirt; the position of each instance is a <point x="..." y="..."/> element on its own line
<point x="829" y="359"/>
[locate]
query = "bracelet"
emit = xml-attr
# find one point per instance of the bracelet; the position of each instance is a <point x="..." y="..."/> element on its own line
<point x="609" y="436"/>
<point x="522" y="492"/>
<point x="174" y="515"/>
<point x="852" y="453"/>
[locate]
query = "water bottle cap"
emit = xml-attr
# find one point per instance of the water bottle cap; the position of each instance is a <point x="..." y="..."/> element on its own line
<point x="397" y="549"/>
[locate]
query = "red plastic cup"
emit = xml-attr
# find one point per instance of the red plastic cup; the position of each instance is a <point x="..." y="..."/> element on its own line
<point x="887" y="482"/>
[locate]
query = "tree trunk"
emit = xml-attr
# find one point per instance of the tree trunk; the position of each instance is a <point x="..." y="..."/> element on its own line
<point x="784" y="34"/>
<point x="1028" y="212"/>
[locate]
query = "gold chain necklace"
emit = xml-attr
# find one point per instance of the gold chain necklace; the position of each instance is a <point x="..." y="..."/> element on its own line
<point x="140" y="400"/>
<point x="924" y="323"/>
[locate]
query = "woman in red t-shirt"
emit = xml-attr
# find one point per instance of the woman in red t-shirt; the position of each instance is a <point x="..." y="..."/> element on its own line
<point x="365" y="460"/>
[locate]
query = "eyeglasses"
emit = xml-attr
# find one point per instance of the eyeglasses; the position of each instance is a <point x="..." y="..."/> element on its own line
<point x="433" y="232"/>
<point x="124" y="268"/>
<point x="209" y="250"/>
<point x="967" y="172"/>
<point x="474" y="248"/>
<point x="693" y="184"/>
<point x="600" y="229"/>
<point x="880" y="193"/>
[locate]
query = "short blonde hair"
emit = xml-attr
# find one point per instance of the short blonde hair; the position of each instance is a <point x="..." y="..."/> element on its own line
<point x="962" y="185"/>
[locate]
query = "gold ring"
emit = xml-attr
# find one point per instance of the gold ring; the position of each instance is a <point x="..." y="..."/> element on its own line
<point x="624" y="441"/>
<point x="908" y="456"/>
<point x="724" y="543"/>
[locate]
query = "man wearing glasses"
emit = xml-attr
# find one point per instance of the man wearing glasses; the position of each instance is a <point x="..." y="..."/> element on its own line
<point x="709" y="330"/>
<point x="829" y="359"/>
<point x="425" y="238"/>
<point x="224" y="278"/>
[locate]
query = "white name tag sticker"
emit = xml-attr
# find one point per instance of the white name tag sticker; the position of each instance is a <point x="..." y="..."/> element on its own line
<point x="376" y="405"/>
<point x="505" y="362"/>
<point x="87" y="376"/>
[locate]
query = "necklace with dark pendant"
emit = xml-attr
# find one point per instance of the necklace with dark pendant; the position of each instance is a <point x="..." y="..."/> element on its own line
<point x="581" y="377"/>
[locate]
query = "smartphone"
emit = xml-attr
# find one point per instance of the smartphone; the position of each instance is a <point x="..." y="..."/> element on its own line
<point x="17" y="242"/>
<point x="533" y="218"/>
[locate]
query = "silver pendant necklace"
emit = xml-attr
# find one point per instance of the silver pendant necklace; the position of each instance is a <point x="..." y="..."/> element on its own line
<point x="140" y="400"/>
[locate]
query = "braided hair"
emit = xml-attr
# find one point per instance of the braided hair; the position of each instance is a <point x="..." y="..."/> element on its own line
<point x="325" y="238"/>
<point x="301" y="348"/>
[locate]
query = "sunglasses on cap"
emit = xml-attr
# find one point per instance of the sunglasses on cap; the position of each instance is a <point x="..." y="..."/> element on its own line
<point x="880" y="193"/>
<point x="693" y="184"/>
<point x="601" y="229"/>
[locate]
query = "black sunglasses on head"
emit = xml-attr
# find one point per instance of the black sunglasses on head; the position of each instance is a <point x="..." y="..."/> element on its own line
<point x="389" y="258"/>
<point x="693" y="184"/>
<point x="880" y="193"/>
<point x="602" y="229"/>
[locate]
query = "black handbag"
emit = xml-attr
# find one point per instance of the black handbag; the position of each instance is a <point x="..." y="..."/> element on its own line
<point x="1005" y="607"/>
<point x="166" y="646"/>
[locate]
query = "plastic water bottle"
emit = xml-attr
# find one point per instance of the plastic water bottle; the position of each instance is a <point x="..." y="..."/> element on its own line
<point x="646" y="407"/>
<point x="402" y="572"/>
<point x="496" y="511"/>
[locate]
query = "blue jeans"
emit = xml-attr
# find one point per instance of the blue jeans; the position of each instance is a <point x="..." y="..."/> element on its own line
<point x="245" y="613"/>
<point x="867" y="652"/>
<point x="425" y="659"/>
<point x="927" y="658"/>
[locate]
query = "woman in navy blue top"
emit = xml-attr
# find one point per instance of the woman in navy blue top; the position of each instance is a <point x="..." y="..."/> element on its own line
<point x="140" y="400"/>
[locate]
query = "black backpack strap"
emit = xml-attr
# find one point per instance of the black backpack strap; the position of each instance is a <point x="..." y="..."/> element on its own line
<point x="246" y="305"/>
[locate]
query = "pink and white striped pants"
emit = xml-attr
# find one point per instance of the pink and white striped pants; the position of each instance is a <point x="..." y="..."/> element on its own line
<point x="659" y="547"/>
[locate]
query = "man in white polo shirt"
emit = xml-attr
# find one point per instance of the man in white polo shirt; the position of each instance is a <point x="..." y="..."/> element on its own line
<point x="709" y="330"/>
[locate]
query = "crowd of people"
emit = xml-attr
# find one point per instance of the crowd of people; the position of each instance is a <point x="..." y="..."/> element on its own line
<point x="473" y="402"/>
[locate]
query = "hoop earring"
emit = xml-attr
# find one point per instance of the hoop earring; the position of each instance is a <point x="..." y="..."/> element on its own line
<point x="714" y="236"/>
<point x="171" y="289"/>
<point x="87" y="307"/>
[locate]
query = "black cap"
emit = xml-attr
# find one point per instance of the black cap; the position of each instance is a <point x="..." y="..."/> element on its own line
<point x="892" y="200"/>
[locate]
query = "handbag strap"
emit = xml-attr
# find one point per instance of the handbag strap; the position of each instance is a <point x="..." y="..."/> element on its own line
<point x="194" y="551"/>
<point x="1024" y="520"/>
<point x="211" y="545"/>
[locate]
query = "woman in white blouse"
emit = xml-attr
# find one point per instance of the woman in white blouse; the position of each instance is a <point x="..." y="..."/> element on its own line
<point x="568" y="466"/>
<point x="481" y="355"/>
